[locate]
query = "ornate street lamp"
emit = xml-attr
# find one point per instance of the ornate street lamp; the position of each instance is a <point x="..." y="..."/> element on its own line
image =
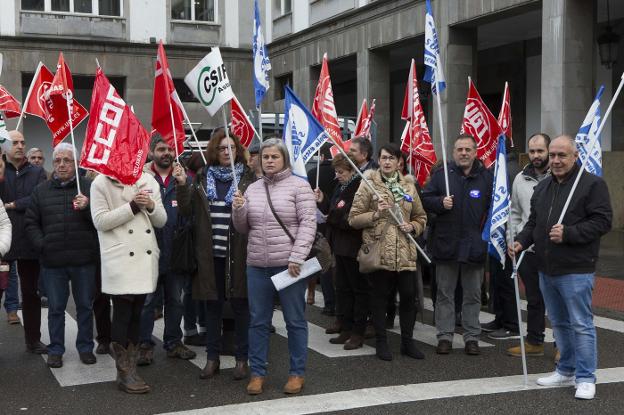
<point x="608" y="43"/>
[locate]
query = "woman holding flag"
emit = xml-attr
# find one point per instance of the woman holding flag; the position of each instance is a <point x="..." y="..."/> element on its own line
<point x="397" y="264"/>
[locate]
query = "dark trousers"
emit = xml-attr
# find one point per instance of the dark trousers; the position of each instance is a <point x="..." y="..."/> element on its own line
<point x="214" y="317"/>
<point x="101" y="310"/>
<point x="127" y="318"/>
<point x="327" y="286"/>
<point x="536" y="323"/>
<point x="352" y="295"/>
<point x="380" y="284"/>
<point x="503" y="294"/>
<point x="28" y="270"/>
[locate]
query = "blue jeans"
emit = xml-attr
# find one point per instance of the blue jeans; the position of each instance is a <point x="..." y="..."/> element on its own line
<point x="174" y="309"/>
<point x="568" y="300"/>
<point x="56" y="282"/>
<point x="11" y="294"/>
<point x="261" y="293"/>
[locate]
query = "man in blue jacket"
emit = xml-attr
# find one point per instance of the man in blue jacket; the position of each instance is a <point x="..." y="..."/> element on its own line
<point x="457" y="248"/>
<point x="161" y="168"/>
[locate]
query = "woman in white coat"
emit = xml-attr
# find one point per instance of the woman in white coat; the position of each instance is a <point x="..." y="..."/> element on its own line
<point x="125" y="217"/>
<point x="5" y="245"/>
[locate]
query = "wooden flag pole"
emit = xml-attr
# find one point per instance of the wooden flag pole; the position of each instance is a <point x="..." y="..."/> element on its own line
<point x="175" y="138"/>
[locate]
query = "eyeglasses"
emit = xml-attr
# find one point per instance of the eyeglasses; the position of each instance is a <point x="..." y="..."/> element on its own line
<point x="63" y="161"/>
<point x="387" y="158"/>
<point x="222" y="149"/>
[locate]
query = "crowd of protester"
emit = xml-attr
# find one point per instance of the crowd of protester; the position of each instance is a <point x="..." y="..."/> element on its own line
<point x="248" y="217"/>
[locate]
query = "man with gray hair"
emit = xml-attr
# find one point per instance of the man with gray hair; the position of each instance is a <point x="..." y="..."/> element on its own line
<point x="36" y="158"/>
<point x="59" y="226"/>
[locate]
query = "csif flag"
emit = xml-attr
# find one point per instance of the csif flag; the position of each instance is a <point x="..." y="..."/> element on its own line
<point x="261" y="62"/>
<point x="494" y="231"/>
<point x="303" y="134"/>
<point x="587" y="135"/>
<point x="433" y="63"/>
<point x="116" y="144"/>
<point x="52" y="109"/>
<point x="9" y="106"/>
<point x="504" y="116"/>
<point x="241" y="125"/>
<point x="209" y="82"/>
<point x="323" y="108"/>
<point x="167" y="111"/>
<point x="481" y="124"/>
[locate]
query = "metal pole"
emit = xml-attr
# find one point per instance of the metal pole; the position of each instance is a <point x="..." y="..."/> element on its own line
<point x="175" y="138"/>
<point x="227" y="134"/>
<point x="71" y="131"/>
<point x="32" y="84"/>
<point x="442" y="140"/>
<point x="201" y="153"/>
<point x="260" y="122"/>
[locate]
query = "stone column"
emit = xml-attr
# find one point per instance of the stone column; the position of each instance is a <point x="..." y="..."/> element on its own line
<point x="567" y="51"/>
<point x="373" y="81"/>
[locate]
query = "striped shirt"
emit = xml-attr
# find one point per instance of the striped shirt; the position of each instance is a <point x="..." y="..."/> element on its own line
<point x="220" y="216"/>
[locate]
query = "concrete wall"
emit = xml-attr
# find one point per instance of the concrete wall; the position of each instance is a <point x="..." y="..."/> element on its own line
<point x="613" y="177"/>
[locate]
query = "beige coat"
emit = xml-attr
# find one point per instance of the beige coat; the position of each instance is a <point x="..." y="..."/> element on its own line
<point x="5" y="231"/>
<point x="128" y="246"/>
<point x="398" y="253"/>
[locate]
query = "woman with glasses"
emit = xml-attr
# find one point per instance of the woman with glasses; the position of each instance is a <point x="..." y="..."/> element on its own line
<point x="378" y="220"/>
<point x="219" y="249"/>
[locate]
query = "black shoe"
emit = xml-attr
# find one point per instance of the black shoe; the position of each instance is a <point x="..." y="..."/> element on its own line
<point x="87" y="358"/>
<point x="444" y="347"/>
<point x="55" y="361"/>
<point x="504" y="334"/>
<point x="472" y="348"/>
<point x="37" y="348"/>
<point x="408" y="348"/>
<point x="103" y="348"/>
<point x="490" y="327"/>
<point x="383" y="351"/>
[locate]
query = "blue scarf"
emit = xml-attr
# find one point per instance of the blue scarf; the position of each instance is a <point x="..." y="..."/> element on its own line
<point x="224" y="175"/>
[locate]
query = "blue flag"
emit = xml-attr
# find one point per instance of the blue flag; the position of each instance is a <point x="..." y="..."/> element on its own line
<point x="587" y="134"/>
<point x="303" y="134"/>
<point x="494" y="230"/>
<point x="261" y="62"/>
<point x="433" y="63"/>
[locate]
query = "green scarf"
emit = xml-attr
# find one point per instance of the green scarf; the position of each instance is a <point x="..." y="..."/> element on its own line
<point x="392" y="183"/>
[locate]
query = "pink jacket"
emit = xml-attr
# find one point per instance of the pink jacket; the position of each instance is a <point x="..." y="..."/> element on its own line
<point x="294" y="202"/>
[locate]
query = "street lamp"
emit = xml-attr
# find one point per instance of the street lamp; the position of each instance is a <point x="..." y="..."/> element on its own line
<point x="608" y="43"/>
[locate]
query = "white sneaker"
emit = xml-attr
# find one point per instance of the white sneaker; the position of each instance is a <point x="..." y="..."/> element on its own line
<point x="585" y="390"/>
<point x="556" y="379"/>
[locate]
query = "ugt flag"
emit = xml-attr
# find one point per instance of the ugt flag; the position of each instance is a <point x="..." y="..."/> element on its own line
<point x="433" y="63"/>
<point x="586" y="136"/>
<point x="481" y="124"/>
<point x="361" y="119"/>
<point x="5" y="140"/>
<point x="262" y="65"/>
<point x="323" y="108"/>
<point x="241" y="125"/>
<point x="303" y="134"/>
<point x="494" y="230"/>
<point x="116" y="144"/>
<point x="9" y="106"/>
<point x="504" y="116"/>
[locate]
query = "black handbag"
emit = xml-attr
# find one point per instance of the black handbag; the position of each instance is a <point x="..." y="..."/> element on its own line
<point x="320" y="247"/>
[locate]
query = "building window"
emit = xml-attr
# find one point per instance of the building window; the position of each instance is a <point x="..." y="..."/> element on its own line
<point x="183" y="91"/>
<point x="194" y="10"/>
<point x="96" y="7"/>
<point x="280" y="83"/>
<point x="283" y="6"/>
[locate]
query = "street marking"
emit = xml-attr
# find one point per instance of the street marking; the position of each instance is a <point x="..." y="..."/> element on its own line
<point x="74" y="372"/>
<point x="389" y="395"/>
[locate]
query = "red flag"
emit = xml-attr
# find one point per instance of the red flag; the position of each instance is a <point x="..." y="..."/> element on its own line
<point x="8" y="104"/>
<point x="423" y="155"/>
<point x="52" y="109"/>
<point x="482" y="125"/>
<point x="361" y="119"/>
<point x="323" y="108"/>
<point x="116" y="144"/>
<point x="167" y="114"/>
<point x="369" y="121"/>
<point x="241" y="126"/>
<point x="504" y="117"/>
<point x="62" y="84"/>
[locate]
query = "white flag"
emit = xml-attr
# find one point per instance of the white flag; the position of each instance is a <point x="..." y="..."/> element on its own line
<point x="209" y="82"/>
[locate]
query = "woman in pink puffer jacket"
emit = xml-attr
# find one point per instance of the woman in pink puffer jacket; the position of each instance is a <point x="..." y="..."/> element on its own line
<point x="270" y="251"/>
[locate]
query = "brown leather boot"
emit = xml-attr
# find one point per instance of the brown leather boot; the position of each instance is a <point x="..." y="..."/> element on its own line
<point x="210" y="370"/>
<point x="294" y="385"/>
<point x="240" y="370"/>
<point x="341" y="339"/>
<point x="127" y="378"/>
<point x="254" y="387"/>
<point x="355" y="342"/>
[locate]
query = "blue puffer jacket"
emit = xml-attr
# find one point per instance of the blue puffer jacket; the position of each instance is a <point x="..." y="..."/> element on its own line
<point x="457" y="232"/>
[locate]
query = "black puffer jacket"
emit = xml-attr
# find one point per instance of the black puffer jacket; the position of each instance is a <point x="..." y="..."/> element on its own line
<point x="457" y="233"/>
<point x="588" y="218"/>
<point x="17" y="187"/>
<point x="61" y="235"/>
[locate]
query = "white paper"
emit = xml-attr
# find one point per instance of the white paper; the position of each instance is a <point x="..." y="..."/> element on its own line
<point x="284" y="279"/>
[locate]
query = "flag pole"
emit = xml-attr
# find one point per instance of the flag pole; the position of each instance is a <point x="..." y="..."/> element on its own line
<point x="30" y="88"/>
<point x="71" y="132"/>
<point x="370" y="186"/>
<point x="260" y="122"/>
<point x="188" y="121"/>
<point x="175" y="138"/>
<point x="227" y="134"/>
<point x="318" y="167"/>
<point x="442" y="140"/>
<point x="409" y="167"/>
